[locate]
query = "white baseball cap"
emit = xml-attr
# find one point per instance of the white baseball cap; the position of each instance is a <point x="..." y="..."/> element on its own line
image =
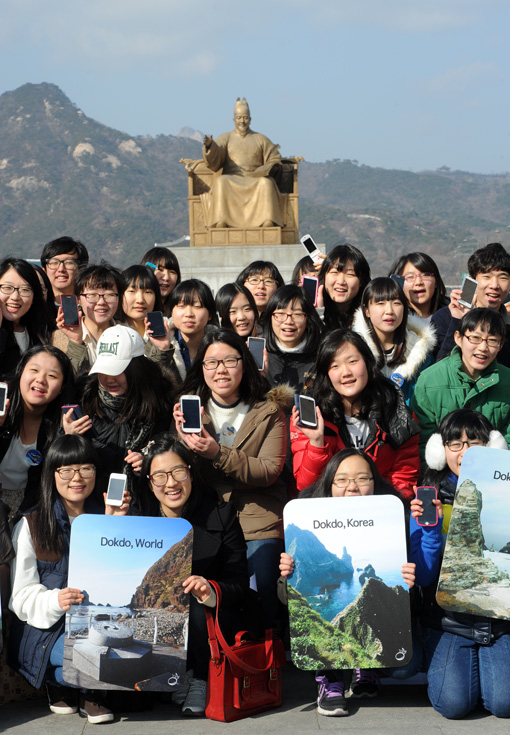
<point x="116" y="347"/>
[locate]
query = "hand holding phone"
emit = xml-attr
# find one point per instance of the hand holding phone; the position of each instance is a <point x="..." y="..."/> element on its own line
<point x="191" y="410"/>
<point x="257" y="345"/>
<point x="429" y="515"/>
<point x="307" y="411"/>
<point x="310" y="285"/>
<point x="69" y="304"/>
<point x="116" y="487"/>
<point x="156" y="324"/>
<point x="311" y="248"/>
<point x="468" y="293"/>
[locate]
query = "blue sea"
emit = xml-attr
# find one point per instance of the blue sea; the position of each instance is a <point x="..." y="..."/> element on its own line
<point x="332" y="601"/>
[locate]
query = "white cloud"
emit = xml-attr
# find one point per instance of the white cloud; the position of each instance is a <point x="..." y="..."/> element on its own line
<point x="461" y="79"/>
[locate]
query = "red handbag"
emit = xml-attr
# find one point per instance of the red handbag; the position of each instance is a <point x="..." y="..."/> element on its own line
<point x="246" y="678"/>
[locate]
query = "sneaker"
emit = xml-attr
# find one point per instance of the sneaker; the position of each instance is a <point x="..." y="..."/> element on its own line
<point x="194" y="704"/>
<point x="365" y="683"/>
<point x="92" y="706"/>
<point x="331" y="698"/>
<point x="180" y="691"/>
<point x="62" y="700"/>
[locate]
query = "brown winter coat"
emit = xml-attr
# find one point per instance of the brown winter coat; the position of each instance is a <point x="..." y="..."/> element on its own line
<point x="247" y="474"/>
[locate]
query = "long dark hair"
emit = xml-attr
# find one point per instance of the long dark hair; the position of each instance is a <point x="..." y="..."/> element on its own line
<point x="52" y="417"/>
<point x="149" y="394"/>
<point x="162" y="443"/>
<point x="253" y="387"/>
<point x="425" y="264"/>
<point x="141" y="276"/>
<point x="163" y="256"/>
<point x="282" y="298"/>
<point x="224" y="298"/>
<point x="36" y="320"/>
<point x="337" y="258"/>
<point x="66" y="450"/>
<point x="322" y="487"/>
<point x="386" y="289"/>
<point x="379" y="395"/>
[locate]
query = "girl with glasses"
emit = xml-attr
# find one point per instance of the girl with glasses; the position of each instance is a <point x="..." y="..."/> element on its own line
<point x="172" y="486"/>
<point x="24" y="318"/>
<point x="292" y="331"/>
<point x="349" y="473"/>
<point x="423" y="285"/>
<point x="242" y="448"/>
<point x="466" y="656"/>
<point x="40" y="594"/>
<point x="262" y="278"/>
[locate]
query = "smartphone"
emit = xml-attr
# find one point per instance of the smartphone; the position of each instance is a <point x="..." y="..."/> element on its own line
<point x="116" y="487"/>
<point x="157" y="323"/>
<point x="469" y="286"/>
<point x="77" y="412"/>
<point x="190" y="406"/>
<point x="399" y="279"/>
<point x="311" y="248"/>
<point x="3" y="398"/>
<point x="307" y="413"/>
<point x="311" y="287"/>
<point x="69" y="304"/>
<point x="427" y="494"/>
<point x="257" y="345"/>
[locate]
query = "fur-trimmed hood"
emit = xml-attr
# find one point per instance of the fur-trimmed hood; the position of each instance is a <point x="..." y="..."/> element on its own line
<point x="282" y="396"/>
<point x="420" y="340"/>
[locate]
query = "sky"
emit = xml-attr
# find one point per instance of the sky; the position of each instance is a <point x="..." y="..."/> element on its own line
<point x="111" y="573"/>
<point x="402" y="84"/>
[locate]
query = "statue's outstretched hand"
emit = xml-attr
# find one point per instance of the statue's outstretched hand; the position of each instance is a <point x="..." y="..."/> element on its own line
<point x="208" y="139"/>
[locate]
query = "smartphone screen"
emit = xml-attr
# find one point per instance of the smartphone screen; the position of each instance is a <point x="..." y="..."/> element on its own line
<point x="311" y="285"/>
<point x="256" y="345"/>
<point x="157" y="323"/>
<point x="309" y="244"/>
<point x="190" y="406"/>
<point x="307" y="415"/>
<point x="3" y="397"/>
<point x="429" y="516"/>
<point x="468" y="292"/>
<point x="116" y="487"/>
<point x="69" y="304"/>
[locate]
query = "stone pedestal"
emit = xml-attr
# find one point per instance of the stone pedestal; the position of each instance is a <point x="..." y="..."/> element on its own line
<point x="219" y="265"/>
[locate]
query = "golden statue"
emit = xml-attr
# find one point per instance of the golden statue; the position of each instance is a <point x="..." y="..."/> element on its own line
<point x="245" y="195"/>
<point x="242" y="191"/>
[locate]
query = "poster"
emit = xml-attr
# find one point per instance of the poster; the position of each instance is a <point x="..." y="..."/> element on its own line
<point x="130" y="630"/>
<point x="475" y="573"/>
<point x="348" y="604"/>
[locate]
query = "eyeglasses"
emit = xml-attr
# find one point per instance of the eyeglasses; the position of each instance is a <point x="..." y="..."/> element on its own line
<point x="67" y="473"/>
<point x="474" y="339"/>
<point x="411" y="277"/>
<point x="228" y="362"/>
<point x="281" y="316"/>
<point x="93" y="298"/>
<point x="456" y="446"/>
<point x="178" y="474"/>
<point x="69" y="264"/>
<point x="255" y="280"/>
<point x="24" y="291"/>
<point x="361" y="481"/>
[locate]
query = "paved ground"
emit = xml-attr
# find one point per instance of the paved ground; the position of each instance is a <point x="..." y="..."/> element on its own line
<point x="398" y="710"/>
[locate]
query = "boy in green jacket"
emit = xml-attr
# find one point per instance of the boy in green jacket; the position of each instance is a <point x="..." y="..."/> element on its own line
<point x="469" y="378"/>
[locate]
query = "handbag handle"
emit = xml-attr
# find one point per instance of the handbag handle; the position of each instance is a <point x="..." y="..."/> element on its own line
<point x="216" y="636"/>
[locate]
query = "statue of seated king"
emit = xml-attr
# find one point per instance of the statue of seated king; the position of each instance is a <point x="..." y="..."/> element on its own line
<point x="248" y="186"/>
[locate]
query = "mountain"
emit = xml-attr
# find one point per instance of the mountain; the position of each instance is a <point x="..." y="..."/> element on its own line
<point x="315" y="566"/>
<point x="62" y="172"/>
<point x="162" y="584"/>
<point x="379" y="617"/>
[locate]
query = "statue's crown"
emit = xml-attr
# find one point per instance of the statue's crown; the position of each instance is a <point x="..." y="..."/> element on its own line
<point x="241" y="104"/>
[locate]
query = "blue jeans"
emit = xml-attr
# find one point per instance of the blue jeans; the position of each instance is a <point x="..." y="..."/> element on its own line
<point x="460" y="672"/>
<point x="54" y="671"/>
<point x="264" y="562"/>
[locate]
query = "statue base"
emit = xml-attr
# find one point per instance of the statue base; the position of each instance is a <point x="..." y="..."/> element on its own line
<point x="223" y="236"/>
<point x="219" y="265"/>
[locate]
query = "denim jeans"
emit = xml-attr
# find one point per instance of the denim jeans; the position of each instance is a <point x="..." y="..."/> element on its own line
<point x="264" y="564"/>
<point x="54" y="671"/>
<point x="461" y="672"/>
